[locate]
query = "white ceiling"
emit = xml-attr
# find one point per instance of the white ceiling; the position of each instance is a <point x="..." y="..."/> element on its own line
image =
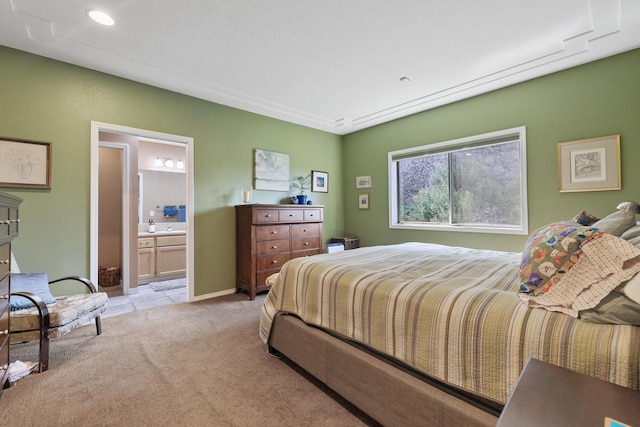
<point x="333" y="65"/>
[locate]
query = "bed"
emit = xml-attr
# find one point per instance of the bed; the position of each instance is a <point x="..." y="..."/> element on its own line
<point x="420" y="333"/>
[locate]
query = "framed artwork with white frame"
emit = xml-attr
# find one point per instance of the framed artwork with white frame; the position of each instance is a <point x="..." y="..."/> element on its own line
<point x="319" y="182"/>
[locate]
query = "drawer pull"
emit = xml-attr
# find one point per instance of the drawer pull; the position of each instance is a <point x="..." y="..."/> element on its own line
<point x="7" y="222"/>
<point x="274" y="232"/>
<point x="274" y="262"/>
<point x="4" y="297"/>
<point x="274" y="247"/>
<point x="305" y="230"/>
<point x="268" y="215"/>
<point x="6" y="261"/>
<point x="5" y="332"/>
<point x="306" y="243"/>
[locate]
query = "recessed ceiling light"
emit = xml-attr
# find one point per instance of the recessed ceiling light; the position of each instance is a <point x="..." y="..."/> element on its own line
<point x="100" y="17"/>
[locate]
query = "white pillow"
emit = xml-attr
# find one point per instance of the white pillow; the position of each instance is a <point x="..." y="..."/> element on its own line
<point x="632" y="289"/>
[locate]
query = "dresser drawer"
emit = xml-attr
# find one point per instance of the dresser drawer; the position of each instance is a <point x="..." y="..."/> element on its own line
<point x="267" y="262"/>
<point x="4" y="221"/>
<point x="304" y="243"/>
<point x="14" y="221"/>
<point x="313" y="214"/>
<point x="4" y="355"/>
<point x="4" y="292"/>
<point x="310" y="252"/>
<point x="299" y="230"/>
<point x="291" y="215"/>
<point x="272" y="232"/>
<point x="5" y="258"/>
<point x="269" y="247"/>
<point x="265" y="216"/>
<point x="4" y="320"/>
<point x="146" y="242"/>
<point x="261" y="276"/>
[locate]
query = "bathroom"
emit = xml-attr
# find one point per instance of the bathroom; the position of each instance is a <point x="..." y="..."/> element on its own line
<point x="157" y="212"/>
<point x="161" y="213"/>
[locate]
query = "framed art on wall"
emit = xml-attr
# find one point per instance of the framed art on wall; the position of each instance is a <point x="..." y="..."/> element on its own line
<point x="319" y="182"/>
<point x="363" y="201"/>
<point x="25" y="163"/>
<point x="363" y="181"/>
<point x="271" y="170"/>
<point x="589" y="164"/>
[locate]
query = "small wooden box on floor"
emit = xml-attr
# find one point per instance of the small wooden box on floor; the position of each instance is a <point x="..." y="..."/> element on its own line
<point x="267" y="236"/>
<point x="348" y="242"/>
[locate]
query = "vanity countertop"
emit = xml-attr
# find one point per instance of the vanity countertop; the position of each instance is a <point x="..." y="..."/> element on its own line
<point x="162" y="233"/>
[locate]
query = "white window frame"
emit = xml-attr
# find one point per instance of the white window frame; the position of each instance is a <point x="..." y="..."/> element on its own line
<point x="454" y="145"/>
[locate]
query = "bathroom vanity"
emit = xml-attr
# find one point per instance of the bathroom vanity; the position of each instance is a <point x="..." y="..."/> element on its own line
<point x="162" y="254"/>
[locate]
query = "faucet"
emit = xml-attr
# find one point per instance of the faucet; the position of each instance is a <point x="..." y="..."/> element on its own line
<point x="169" y="227"/>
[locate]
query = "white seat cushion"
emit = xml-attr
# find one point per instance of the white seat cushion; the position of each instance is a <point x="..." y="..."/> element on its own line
<point x="66" y="313"/>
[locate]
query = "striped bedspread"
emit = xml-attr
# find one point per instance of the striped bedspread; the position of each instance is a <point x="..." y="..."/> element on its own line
<point x="451" y="313"/>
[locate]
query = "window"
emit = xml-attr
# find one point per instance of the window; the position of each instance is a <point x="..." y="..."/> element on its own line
<point x="473" y="184"/>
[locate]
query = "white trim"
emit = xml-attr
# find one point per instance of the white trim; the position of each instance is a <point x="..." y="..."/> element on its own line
<point x="214" y="295"/>
<point x="96" y="127"/>
<point x="521" y="131"/>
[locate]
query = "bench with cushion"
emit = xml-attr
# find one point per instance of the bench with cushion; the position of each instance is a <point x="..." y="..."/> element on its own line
<point x="37" y="315"/>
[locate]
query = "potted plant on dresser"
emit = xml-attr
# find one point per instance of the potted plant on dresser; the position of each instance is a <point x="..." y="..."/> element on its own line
<point x="300" y="184"/>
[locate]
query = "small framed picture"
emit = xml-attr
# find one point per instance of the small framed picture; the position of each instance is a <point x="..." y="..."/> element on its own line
<point x="363" y="201"/>
<point x="363" y="181"/>
<point x="25" y="163"/>
<point x="319" y="181"/>
<point x="589" y="164"/>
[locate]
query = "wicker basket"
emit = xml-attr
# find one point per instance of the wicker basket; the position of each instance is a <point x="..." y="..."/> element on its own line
<point x="108" y="276"/>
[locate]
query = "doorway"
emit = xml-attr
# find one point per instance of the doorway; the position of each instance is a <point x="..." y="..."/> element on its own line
<point x="126" y="140"/>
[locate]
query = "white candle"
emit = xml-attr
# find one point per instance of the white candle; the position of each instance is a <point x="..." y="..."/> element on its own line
<point x="246" y="196"/>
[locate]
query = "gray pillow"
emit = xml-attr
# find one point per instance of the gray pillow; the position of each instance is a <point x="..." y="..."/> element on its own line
<point x="631" y="233"/>
<point x="616" y="223"/>
<point x="614" y="309"/>
<point x="635" y="241"/>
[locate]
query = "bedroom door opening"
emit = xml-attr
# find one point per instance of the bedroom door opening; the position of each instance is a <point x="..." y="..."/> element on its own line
<point x="108" y="138"/>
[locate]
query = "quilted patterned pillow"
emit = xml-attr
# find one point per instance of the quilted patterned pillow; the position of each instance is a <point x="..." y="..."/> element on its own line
<point x="550" y="252"/>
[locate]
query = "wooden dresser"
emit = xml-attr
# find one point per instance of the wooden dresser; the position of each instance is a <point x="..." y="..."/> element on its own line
<point x="267" y="236"/>
<point x="9" y="222"/>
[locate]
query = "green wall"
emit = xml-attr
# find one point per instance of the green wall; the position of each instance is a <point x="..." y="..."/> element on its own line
<point x="597" y="99"/>
<point x="52" y="101"/>
<point x="48" y="100"/>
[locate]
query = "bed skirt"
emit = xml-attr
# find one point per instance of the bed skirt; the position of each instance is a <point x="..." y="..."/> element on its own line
<point x="389" y="394"/>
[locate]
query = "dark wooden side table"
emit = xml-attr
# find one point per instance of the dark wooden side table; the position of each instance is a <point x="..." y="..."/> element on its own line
<point x="547" y="395"/>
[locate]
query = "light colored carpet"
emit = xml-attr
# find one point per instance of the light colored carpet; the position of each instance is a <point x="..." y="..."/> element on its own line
<point x="166" y="285"/>
<point x="190" y="364"/>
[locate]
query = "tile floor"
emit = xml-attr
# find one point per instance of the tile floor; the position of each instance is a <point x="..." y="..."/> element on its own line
<point x="142" y="299"/>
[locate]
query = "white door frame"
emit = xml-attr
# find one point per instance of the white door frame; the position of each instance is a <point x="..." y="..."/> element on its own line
<point x="96" y="128"/>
